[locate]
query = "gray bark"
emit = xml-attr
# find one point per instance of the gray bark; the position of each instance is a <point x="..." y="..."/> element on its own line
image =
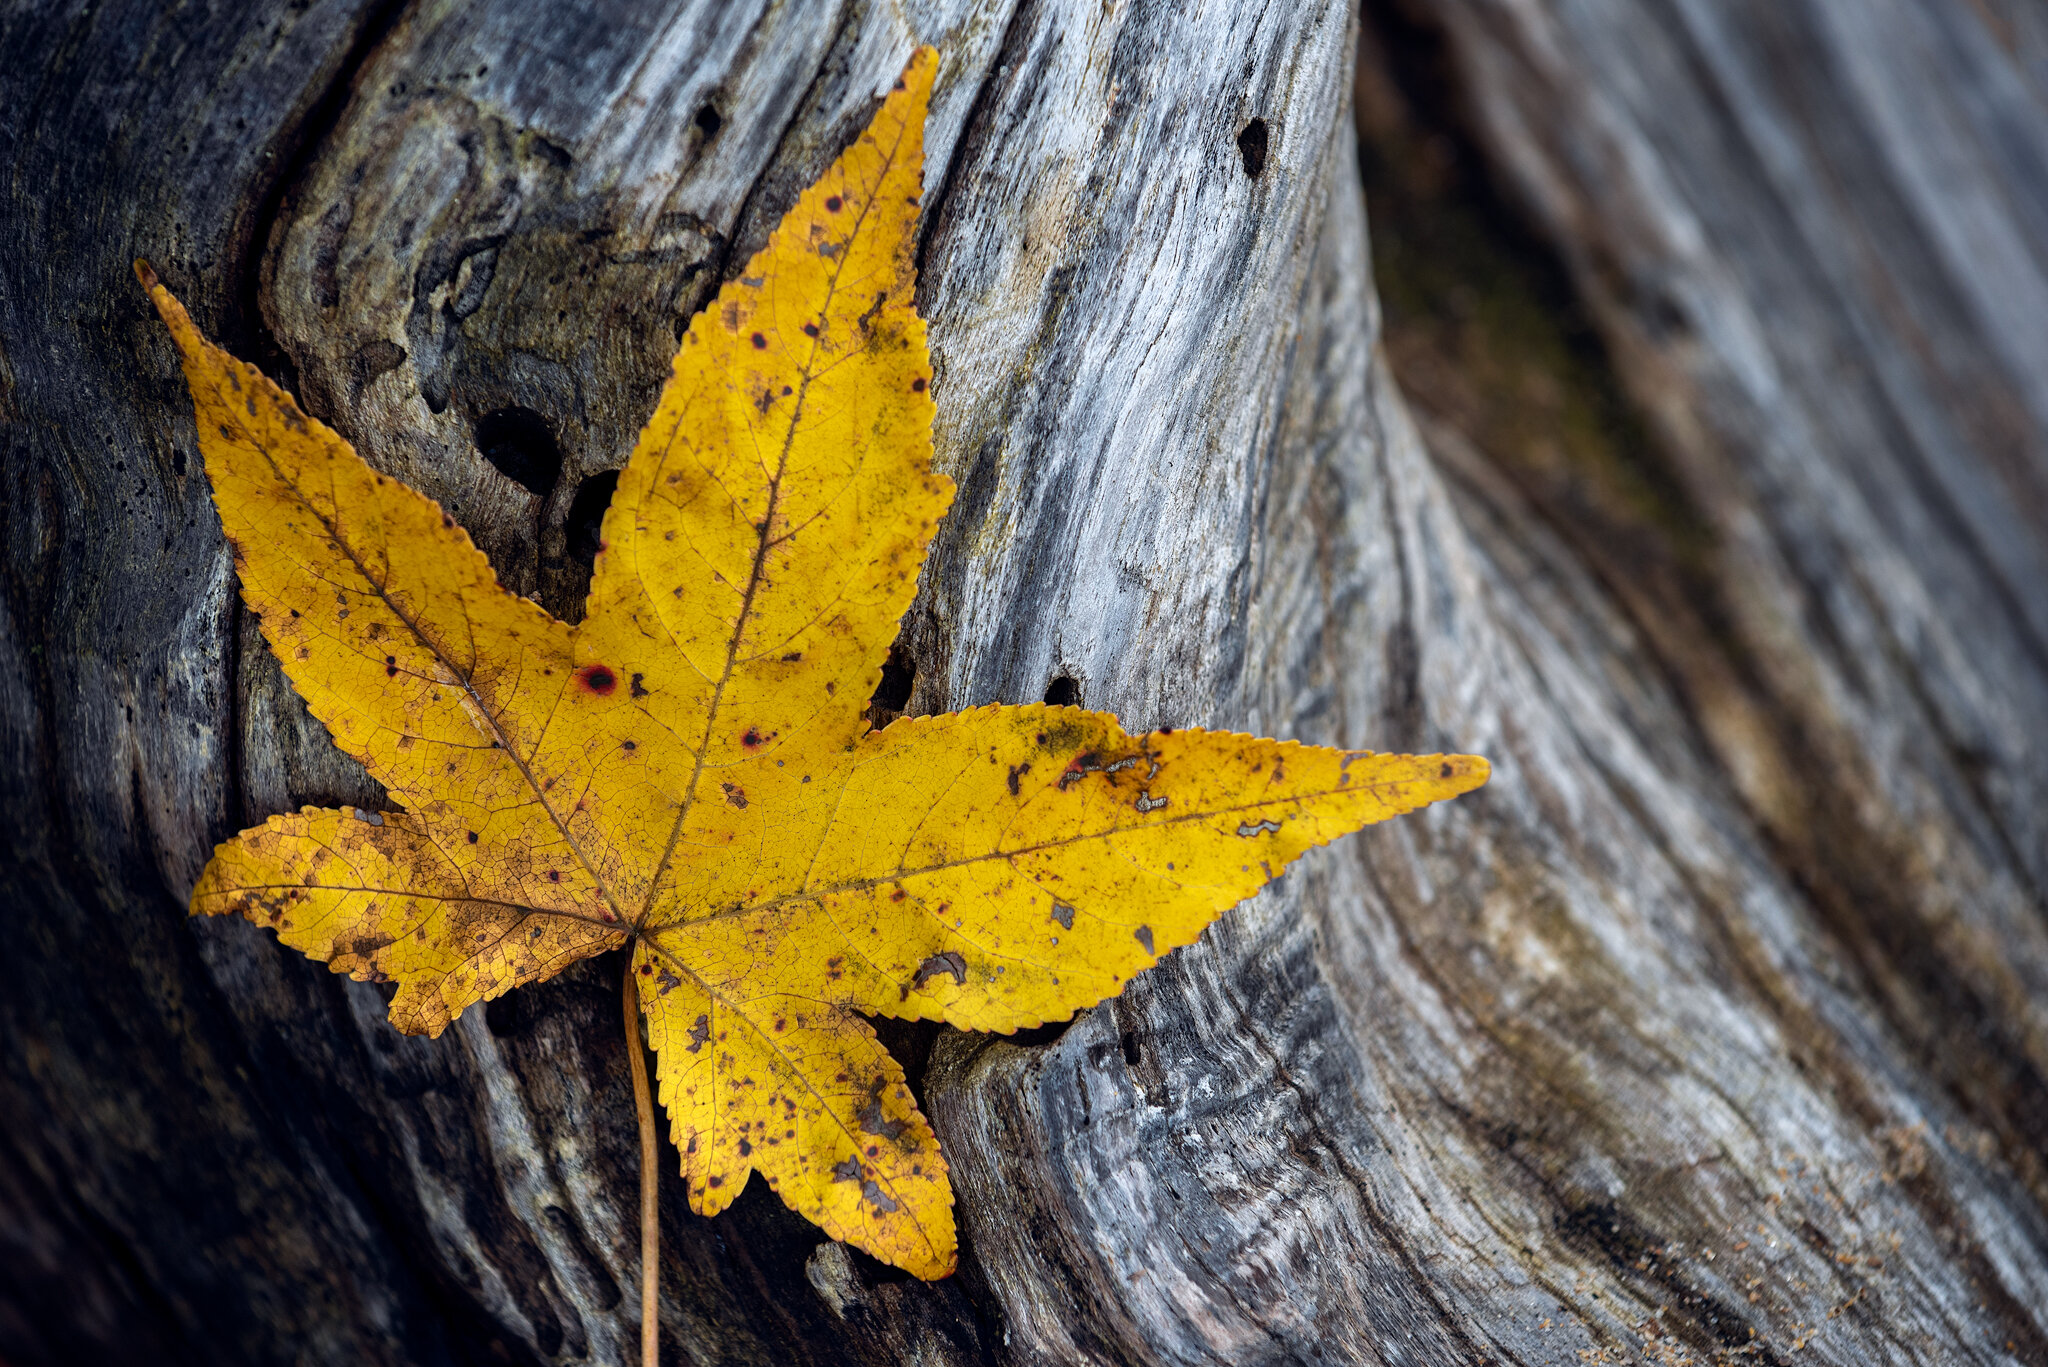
<point x="1715" y="1028"/>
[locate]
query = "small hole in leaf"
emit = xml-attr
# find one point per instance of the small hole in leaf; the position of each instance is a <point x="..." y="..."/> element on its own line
<point x="586" y="513"/>
<point x="708" y="120"/>
<point x="899" y="672"/>
<point x="519" y="442"/>
<point x="1065" y="691"/>
<point x="1251" y="145"/>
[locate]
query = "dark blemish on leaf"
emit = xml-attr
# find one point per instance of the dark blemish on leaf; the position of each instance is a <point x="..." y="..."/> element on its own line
<point x="1251" y="145"/>
<point x="554" y="875"/>
<point x="754" y="740"/>
<point x="472" y="837"/>
<point x="917" y="385"/>
<point x="1148" y="803"/>
<point x="899" y="894"/>
<point x="718" y="1181"/>
<point x="832" y="205"/>
<point x="638" y="691"/>
<point x="1144" y="934"/>
<point x="833" y="969"/>
<point x="734" y="795"/>
<point x="1064" y="914"/>
<point x="792" y="657"/>
<point x="598" y="680"/>
<point x="364" y="947"/>
<point x="1166" y="730"/>
<point x="847" y="1171"/>
<point x="746" y="1149"/>
<point x="629" y="745"/>
<point x="667" y="982"/>
<point x="699" y="1033"/>
<point x="810" y="329"/>
<point x="871" y="1118"/>
<point x="760" y="342"/>
<point x="368" y="818"/>
<point x="787" y="390"/>
<point x="1446" y="770"/>
<point x="1017" y="771"/>
<point x="877" y="1198"/>
<point x="948" y="962"/>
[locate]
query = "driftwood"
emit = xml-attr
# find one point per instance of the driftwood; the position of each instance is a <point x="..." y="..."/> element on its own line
<point x="1715" y="1029"/>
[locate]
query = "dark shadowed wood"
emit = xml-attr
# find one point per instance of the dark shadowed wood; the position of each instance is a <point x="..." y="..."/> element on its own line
<point x="1713" y="1030"/>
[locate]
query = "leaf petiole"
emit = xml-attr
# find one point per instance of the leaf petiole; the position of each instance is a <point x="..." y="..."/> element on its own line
<point x="650" y="1178"/>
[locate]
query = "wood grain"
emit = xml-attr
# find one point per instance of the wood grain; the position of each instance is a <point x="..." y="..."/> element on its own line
<point x="1711" y="1030"/>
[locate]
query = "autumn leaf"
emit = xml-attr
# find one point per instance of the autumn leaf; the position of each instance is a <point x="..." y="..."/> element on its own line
<point x="689" y="771"/>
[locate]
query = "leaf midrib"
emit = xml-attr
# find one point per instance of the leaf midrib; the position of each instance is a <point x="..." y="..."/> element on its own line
<point x="419" y="632"/>
<point x="815" y="893"/>
<point x="765" y="540"/>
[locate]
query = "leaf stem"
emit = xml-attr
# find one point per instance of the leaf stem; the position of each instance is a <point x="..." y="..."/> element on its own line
<point x="650" y="1176"/>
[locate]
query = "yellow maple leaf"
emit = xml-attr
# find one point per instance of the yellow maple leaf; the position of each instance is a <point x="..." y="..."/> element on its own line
<point x="689" y="771"/>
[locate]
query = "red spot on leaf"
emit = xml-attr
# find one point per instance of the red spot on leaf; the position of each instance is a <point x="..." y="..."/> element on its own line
<point x="598" y="679"/>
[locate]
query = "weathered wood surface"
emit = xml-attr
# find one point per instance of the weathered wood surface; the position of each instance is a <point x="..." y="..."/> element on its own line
<point x="1713" y="1029"/>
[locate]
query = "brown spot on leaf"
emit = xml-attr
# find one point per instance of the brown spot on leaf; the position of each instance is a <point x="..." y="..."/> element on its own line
<point x="1017" y="771"/>
<point x="876" y="1197"/>
<point x="638" y="691"/>
<point x="871" y="1117"/>
<point x="832" y="204"/>
<point x="699" y="1033"/>
<point x="734" y="796"/>
<point x="948" y="962"/>
<point x="760" y="342"/>
<point x="598" y="679"/>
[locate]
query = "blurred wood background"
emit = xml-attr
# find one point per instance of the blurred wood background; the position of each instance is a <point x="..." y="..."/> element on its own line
<point x="1675" y="433"/>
